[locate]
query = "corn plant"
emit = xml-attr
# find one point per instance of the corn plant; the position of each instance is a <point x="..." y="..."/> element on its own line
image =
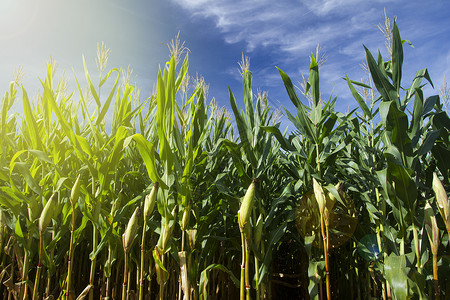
<point x="345" y="205"/>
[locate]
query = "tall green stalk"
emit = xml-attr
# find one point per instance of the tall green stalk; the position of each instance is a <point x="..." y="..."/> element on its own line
<point x="242" y="281"/>
<point x="149" y="204"/>
<point x="39" y="268"/>
<point x="125" y="277"/>
<point x="244" y="214"/>
<point x="44" y="220"/>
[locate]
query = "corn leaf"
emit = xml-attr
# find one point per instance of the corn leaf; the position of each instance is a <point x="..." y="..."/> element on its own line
<point x="147" y="153"/>
<point x="303" y="121"/>
<point x="31" y="122"/>
<point x="245" y="133"/>
<point x="359" y="99"/>
<point x="204" y="278"/>
<point x="91" y="86"/>
<point x="384" y="87"/>
<point x="397" y="57"/>
<point x="396" y="269"/>
<point x="182" y="73"/>
<point x="285" y="144"/>
<point x="105" y="107"/>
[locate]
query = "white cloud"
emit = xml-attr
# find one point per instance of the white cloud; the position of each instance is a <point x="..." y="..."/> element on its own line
<point x="294" y="27"/>
<point x="324" y="7"/>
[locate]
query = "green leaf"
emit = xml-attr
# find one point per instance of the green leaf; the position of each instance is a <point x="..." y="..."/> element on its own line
<point x="405" y="187"/>
<point x="359" y="99"/>
<point x="182" y="73"/>
<point x="368" y="248"/>
<point x="245" y="133"/>
<point x="429" y="142"/>
<point x="42" y="156"/>
<point x="416" y="121"/>
<point x="105" y="107"/>
<point x="397" y="57"/>
<point x="84" y="144"/>
<point x="430" y="102"/>
<point x="18" y="230"/>
<point x="396" y="273"/>
<point x="416" y="84"/>
<point x="274" y="237"/>
<point x="276" y="131"/>
<point x="315" y="273"/>
<point x="24" y="171"/>
<point x="163" y="113"/>
<point x="393" y="154"/>
<point x="31" y="122"/>
<point x="91" y="86"/>
<point x="384" y="87"/>
<point x="147" y="153"/>
<point x="235" y="152"/>
<point x="289" y="88"/>
<point x="204" y="278"/>
<point x="396" y="124"/>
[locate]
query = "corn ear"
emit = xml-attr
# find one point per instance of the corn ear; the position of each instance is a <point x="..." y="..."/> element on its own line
<point x="441" y="198"/>
<point x="247" y="204"/>
<point x="319" y="195"/>
<point x="167" y="227"/>
<point x="130" y="232"/>
<point x="116" y="204"/>
<point x="75" y="193"/>
<point x="150" y="201"/>
<point x="431" y="228"/>
<point x="185" y="218"/>
<point x="166" y="234"/>
<point x="47" y="212"/>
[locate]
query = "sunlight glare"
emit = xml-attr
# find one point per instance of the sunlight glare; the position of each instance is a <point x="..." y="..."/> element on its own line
<point x="16" y="17"/>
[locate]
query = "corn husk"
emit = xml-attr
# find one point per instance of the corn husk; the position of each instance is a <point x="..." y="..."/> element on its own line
<point x="319" y="195"/>
<point x="431" y="228"/>
<point x="150" y="201"/>
<point x="75" y="193"/>
<point x="185" y="218"/>
<point x="441" y="198"/>
<point x="130" y="232"/>
<point x="247" y="204"/>
<point x="167" y="227"/>
<point x="47" y="212"/>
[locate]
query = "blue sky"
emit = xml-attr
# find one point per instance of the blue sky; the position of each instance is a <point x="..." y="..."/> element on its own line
<point x="279" y="33"/>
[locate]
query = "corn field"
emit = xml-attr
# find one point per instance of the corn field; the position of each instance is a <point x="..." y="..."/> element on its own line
<point x="107" y="196"/>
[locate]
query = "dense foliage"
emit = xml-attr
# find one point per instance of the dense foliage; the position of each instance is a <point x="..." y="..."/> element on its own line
<point x="172" y="199"/>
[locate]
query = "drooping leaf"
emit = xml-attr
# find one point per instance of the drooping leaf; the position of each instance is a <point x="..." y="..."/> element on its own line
<point x="204" y="280"/>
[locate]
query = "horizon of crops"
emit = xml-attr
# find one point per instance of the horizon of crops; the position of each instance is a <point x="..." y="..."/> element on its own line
<point x="172" y="200"/>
